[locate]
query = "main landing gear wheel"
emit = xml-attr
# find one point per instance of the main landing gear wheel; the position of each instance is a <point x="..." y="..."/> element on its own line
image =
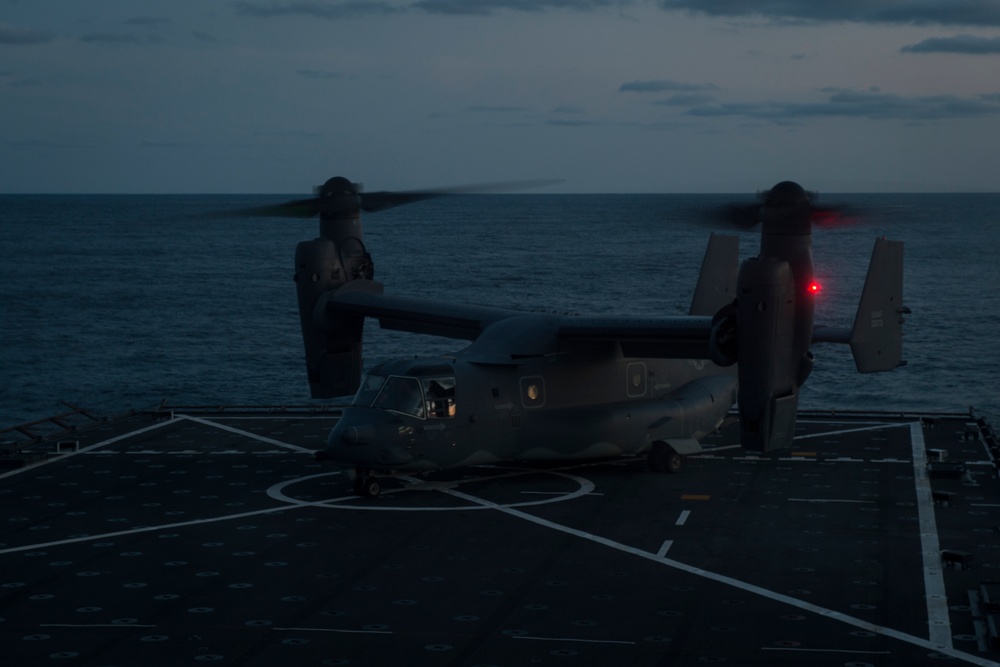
<point x="366" y="486"/>
<point x="663" y="458"/>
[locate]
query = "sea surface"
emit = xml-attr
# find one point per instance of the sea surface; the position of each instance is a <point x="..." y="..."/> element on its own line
<point x="118" y="302"/>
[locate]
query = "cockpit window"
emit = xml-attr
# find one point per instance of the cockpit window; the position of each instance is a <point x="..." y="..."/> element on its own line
<point x="440" y="393"/>
<point x="432" y="397"/>
<point x="401" y="394"/>
<point x="368" y="389"/>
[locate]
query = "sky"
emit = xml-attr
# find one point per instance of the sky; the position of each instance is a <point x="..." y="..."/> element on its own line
<point x="275" y="96"/>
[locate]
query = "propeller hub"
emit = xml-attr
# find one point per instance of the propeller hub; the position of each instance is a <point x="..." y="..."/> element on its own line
<point x="786" y="193"/>
<point x="339" y="198"/>
<point x="787" y="210"/>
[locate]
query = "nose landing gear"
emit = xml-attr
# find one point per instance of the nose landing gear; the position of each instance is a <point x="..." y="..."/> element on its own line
<point x="365" y="485"/>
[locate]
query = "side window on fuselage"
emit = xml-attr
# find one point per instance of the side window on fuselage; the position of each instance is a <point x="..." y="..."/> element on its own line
<point x="440" y="393"/>
<point x="533" y="391"/>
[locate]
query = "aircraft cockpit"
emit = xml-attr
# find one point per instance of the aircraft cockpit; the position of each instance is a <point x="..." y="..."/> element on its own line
<point x="417" y="393"/>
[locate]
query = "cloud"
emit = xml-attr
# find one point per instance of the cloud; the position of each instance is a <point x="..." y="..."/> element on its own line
<point x="686" y="100"/>
<point x="488" y="7"/>
<point x="25" y="83"/>
<point x="849" y="103"/>
<point x="171" y="144"/>
<point x="148" y="21"/>
<point x="319" y="74"/>
<point x="323" y="10"/>
<point x="571" y="122"/>
<point x="111" y="38"/>
<point x="919" y="12"/>
<point x="19" y="36"/>
<point x="967" y="44"/>
<point x="662" y="85"/>
<point x="361" y="8"/>
<point x="23" y="143"/>
<point x="479" y="108"/>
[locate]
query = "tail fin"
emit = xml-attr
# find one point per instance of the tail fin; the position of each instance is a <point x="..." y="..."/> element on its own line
<point x="877" y="337"/>
<point x="717" y="281"/>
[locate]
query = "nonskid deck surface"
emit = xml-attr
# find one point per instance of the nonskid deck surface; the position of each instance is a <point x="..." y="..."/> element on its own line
<point x="217" y="538"/>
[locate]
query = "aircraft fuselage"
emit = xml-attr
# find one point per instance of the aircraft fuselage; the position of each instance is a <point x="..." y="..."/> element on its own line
<point x="431" y="414"/>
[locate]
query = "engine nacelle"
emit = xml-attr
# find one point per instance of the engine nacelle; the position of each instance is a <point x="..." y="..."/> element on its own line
<point x="335" y="261"/>
<point x="768" y="367"/>
<point x="333" y="347"/>
<point x="723" y="343"/>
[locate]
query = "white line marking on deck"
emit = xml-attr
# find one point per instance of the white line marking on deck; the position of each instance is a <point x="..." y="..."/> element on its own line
<point x="333" y="414"/>
<point x="664" y="548"/>
<point x="552" y="493"/>
<point x="150" y="529"/>
<point x="682" y="518"/>
<point x="254" y="436"/>
<point x="914" y="640"/>
<point x="709" y="450"/>
<point x="89" y="448"/>
<point x="930" y="547"/>
<point x="824" y="434"/>
<point x="821" y="650"/>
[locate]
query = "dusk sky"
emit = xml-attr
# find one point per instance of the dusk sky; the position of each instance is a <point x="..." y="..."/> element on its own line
<point x="274" y="96"/>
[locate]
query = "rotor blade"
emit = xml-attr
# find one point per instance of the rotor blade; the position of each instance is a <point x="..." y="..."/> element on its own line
<point x="739" y="216"/>
<point x="746" y="215"/>
<point x="372" y="202"/>
<point x="839" y="215"/>
<point x="298" y="208"/>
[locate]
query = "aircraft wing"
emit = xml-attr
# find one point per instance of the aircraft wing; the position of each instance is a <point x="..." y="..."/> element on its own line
<point x="661" y="337"/>
<point x="415" y="315"/>
<point x="682" y="337"/>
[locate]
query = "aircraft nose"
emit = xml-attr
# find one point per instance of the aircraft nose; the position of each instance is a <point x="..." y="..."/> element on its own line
<point x="363" y="434"/>
<point x="366" y="444"/>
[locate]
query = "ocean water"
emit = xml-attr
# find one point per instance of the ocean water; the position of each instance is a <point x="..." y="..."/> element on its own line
<point x="117" y="302"/>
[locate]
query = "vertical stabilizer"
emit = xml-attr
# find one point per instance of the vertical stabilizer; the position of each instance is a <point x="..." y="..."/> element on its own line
<point x="877" y="336"/>
<point x="717" y="281"/>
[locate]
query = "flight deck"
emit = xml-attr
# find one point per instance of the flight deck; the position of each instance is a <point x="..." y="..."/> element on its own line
<point x="193" y="536"/>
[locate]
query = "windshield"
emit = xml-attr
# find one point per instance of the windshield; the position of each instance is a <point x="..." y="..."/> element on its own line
<point x="432" y="397"/>
<point x="368" y="389"/>
<point x="401" y="394"/>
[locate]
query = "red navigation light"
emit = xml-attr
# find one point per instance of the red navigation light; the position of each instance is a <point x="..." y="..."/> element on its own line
<point x="813" y="287"/>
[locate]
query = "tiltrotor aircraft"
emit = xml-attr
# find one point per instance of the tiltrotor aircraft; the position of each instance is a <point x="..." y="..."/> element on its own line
<point x="534" y="386"/>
